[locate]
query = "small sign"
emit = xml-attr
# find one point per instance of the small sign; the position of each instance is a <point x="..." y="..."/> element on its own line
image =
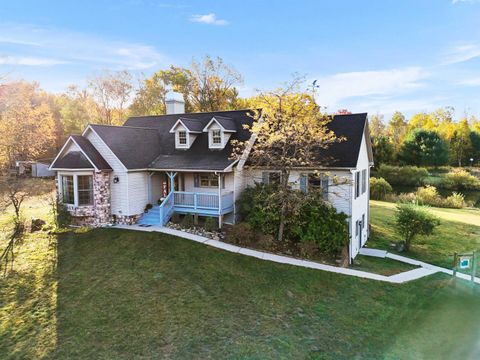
<point x="465" y="262"/>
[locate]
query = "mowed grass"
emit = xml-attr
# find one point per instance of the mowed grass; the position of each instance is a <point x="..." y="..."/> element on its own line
<point x="380" y="266"/>
<point x="459" y="231"/>
<point x="117" y="294"/>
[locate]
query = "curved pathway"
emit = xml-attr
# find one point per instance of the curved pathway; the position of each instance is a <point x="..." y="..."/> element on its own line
<point x="425" y="269"/>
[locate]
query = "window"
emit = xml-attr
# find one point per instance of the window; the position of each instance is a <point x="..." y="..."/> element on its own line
<point x="319" y="183"/>
<point x="208" y="180"/>
<point x="357" y="184"/>
<point x="363" y="221"/>
<point x="364" y="181"/>
<point x="216" y="137"/>
<point x="182" y="138"/>
<point x="272" y="177"/>
<point x="67" y="189"/>
<point x="85" y="190"/>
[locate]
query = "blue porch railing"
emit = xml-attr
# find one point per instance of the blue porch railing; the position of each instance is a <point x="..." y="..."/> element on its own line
<point x="166" y="209"/>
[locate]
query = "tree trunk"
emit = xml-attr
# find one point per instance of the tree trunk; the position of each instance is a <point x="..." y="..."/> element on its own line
<point x="283" y="207"/>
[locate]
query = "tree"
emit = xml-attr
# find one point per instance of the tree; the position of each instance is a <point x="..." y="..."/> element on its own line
<point x="290" y="134"/>
<point x="111" y="92"/>
<point x="475" y="140"/>
<point x="424" y="148"/>
<point x="14" y="195"/>
<point x="213" y="85"/>
<point x="383" y="150"/>
<point x="150" y="96"/>
<point x="376" y="125"/>
<point x="461" y="143"/>
<point x="27" y="124"/>
<point x="422" y="121"/>
<point x="397" y="128"/>
<point x="413" y="220"/>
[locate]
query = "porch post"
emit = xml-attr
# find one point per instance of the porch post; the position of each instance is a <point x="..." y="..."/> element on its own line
<point x="171" y="176"/>
<point x="220" y="217"/>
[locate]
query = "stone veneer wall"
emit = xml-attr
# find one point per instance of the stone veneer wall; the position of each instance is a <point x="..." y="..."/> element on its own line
<point x="127" y="220"/>
<point x="99" y="213"/>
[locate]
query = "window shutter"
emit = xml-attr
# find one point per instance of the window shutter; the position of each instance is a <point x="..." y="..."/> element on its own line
<point x="265" y="178"/>
<point x="325" y="186"/>
<point x="196" y="180"/>
<point x="223" y="181"/>
<point x="303" y="183"/>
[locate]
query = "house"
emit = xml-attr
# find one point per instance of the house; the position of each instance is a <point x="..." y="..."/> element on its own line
<point x="37" y="168"/>
<point x="181" y="163"/>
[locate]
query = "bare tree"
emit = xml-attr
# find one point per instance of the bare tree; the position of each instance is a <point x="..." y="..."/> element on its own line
<point x="111" y="92"/>
<point x="14" y="195"/>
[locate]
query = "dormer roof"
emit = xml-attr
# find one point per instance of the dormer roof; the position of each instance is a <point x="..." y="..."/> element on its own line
<point x="191" y="125"/>
<point x="227" y="124"/>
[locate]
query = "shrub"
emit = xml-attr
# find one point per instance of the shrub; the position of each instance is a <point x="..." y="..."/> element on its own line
<point x="455" y="201"/>
<point x="413" y="220"/>
<point x="459" y="179"/>
<point x="428" y="195"/>
<point x="210" y="224"/>
<point x="187" y="222"/>
<point x="240" y="234"/>
<point x="379" y="188"/>
<point x="319" y="222"/>
<point x="402" y="175"/>
<point x="61" y="216"/>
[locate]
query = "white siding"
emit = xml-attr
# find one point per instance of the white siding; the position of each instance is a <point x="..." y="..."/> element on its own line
<point x="361" y="203"/>
<point x="138" y="195"/>
<point x="119" y="190"/>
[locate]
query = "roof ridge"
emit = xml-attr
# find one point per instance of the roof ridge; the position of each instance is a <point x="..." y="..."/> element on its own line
<point x="125" y="126"/>
<point x="190" y="113"/>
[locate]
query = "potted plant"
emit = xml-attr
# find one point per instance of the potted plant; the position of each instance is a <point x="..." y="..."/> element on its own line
<point x="148" y="207"/>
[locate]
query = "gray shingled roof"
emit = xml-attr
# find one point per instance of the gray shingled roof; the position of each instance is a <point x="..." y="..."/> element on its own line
<point x="227" y="123"/>
<point x="91" y="152"/>
<point x="193" y="125"/>
<point x="73" y="160"/>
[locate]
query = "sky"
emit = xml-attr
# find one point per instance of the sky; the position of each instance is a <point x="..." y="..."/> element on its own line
<point x="374" y="56"/>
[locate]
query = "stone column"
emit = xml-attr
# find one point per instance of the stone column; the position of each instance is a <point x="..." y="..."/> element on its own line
<point x="101" y="198"/>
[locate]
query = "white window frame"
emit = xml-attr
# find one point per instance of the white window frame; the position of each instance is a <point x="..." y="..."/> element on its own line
<point x="178" y="144"/>
<point x="75" y="187"/>
<point x="211" y="176"/>
<point x="213" y="145"/>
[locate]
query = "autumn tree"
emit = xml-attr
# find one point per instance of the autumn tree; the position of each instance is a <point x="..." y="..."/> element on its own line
<point x="26" y="123"/>
<point x="289" y="134"/>
<point x="111" y="92"/>
<point x="461" y="143"/>
<point x="397" y="128"/>
<point x="376" y="125"/>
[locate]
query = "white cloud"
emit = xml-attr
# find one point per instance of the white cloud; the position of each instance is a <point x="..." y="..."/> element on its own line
<point x="462" y="53"/>
<point x="75" y="47"/>
<point x="463" y="1"/>
<point x="470" y="82"/>
<point x="210" y="19"/>
<point x="335" y="89"/>
<point x="29" y="61"/>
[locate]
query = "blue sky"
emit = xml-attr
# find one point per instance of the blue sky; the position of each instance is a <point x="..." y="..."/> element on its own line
<point x="374" y="56"/>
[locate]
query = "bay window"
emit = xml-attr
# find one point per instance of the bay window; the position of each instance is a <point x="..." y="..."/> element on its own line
<point x="77" y="189"/>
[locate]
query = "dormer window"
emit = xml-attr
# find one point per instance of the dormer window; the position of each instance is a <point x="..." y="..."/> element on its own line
<point x="216" y="135"/>
<point x="219" y="130"/>
<point x="182" y="138"/>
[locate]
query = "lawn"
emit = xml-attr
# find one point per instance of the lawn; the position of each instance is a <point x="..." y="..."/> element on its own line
<point x="459" y="231"/>
<point x="118" y="294"/>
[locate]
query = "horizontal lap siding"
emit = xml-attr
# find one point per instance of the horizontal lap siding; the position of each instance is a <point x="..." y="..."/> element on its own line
<point x="118" y="191"/>
<point x="137" y="192"/>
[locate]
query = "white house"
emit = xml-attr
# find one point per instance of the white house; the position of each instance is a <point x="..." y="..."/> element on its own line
<point x="181" y="163"/>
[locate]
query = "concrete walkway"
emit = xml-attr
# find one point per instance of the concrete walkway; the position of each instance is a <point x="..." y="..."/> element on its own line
<point x="424" y="270"/>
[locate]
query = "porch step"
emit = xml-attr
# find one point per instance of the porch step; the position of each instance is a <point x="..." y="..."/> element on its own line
<point x="152" y="217"/>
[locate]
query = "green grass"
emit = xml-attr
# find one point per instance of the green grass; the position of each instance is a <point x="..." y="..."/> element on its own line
<point x="380" y="266"/>
<point x="459" y="231"/>
<point x="117" y="294"/>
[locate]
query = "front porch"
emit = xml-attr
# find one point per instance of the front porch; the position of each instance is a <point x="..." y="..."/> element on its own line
<point x="215" y="203"/>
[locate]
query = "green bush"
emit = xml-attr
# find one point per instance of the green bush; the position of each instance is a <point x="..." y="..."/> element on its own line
<point x="210" y="224"/>
<point x="413" y="220"/>
<point x="187" y="222"/>
<point x="379" y="188"/>
<point x="319" y="222"/>
<point x="402" y="175"/>
<point x="460" y="179"/>
<point x="60" y="214"/>
<point x="428" y="195"/>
